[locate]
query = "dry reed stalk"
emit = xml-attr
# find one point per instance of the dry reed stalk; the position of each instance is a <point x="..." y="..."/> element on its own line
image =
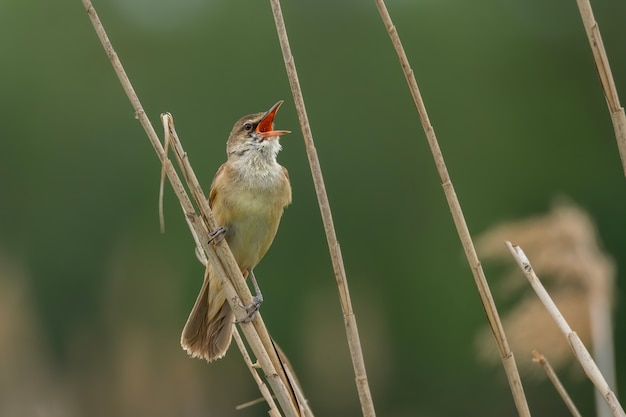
<point x="219" y="254"/>
<point x="606" y="77"/>
<point x="568" y="253"/>
<point x="495" y="323"/>
<point x="541" y="360"/>
<point x="265" y="392"/>
<point x="261" y="338"/>
<point x="354" y="342"/>
<point x="580" y="351"/>
<point x="233" y="284"/>
<point x="295" y="384"/>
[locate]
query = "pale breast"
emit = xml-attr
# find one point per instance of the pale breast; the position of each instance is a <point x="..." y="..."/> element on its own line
<point x="251" y="213"/>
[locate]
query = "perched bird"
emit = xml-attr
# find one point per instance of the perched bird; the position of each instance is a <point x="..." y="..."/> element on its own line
<point x="248" y="195"/>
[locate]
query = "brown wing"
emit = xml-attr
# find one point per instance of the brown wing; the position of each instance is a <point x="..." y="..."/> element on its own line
<point x="213" y="188"/>
<point x="288" y="185"/>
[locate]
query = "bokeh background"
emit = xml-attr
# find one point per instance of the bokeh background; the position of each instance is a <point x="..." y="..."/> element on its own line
<point x="93" y="297"/>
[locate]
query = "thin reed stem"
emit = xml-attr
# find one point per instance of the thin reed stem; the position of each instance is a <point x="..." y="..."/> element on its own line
<point x="265" y="392"/>
<point x="354" y="342"/>
<point x="552" y="376"/>
<point x="580" y="351"/>
<point x="606" y="76"/>
<point x="459" y="221"/>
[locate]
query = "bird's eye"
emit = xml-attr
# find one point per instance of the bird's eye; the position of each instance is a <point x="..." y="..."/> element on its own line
<point x="247" y="127"/>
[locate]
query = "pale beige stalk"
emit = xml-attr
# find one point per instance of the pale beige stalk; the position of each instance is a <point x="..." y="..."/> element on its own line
<point x="580" y="351"/>
<point x="265" y="392"/>
<point x="541" y="360"/>
<point x="354" y="342"/>
<point x="606" y="76"/>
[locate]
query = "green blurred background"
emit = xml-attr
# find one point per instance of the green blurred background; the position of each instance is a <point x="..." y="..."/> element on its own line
<point x="93" y="297"/>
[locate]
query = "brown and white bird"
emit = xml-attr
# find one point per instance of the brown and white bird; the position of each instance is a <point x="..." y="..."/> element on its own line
<point x="248" y="195"/>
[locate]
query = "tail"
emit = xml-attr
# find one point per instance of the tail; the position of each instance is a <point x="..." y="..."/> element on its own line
<point x="209" y="328"/>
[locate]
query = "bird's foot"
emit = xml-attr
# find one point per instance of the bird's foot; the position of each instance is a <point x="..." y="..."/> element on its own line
<point x="217" y="235"/>
<point x="253" y="308"/>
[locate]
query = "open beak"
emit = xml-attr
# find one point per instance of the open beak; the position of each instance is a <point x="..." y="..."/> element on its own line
<point x="265" y="128"/>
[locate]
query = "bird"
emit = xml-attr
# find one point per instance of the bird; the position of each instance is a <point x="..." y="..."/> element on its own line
<point x="248" y="196"/>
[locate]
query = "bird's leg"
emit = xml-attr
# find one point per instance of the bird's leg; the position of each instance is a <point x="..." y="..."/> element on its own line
<point x="253" y="308"/>
<point x="217" y="235"/>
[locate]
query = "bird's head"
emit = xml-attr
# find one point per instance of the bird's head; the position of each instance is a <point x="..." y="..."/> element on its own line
<point x="255" y="132"/>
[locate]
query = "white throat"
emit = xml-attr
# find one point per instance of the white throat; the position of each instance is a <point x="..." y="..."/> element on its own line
<point x="256" y="164"/>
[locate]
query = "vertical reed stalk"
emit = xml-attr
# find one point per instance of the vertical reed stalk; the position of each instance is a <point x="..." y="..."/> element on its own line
<point x="354" y="343"/>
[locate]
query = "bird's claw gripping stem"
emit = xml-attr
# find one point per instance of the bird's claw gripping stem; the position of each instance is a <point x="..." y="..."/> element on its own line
<point x="217" y="235"/>
<point x="253" y="308"/>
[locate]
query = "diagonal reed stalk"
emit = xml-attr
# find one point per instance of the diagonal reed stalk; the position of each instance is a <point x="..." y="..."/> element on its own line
<point x="234" y="286"/>
<point x="265" y="392"/>
<point x="459" y="221"/>
<point x="541" y="360"/>
<point x="580" y="351"/>
<point x="202" y="222"/>
<point x="354" y="343"/>
<point x="606" y="77"/>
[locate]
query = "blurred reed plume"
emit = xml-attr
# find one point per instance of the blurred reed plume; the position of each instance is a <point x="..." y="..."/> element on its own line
<point x="29" y="383"/>
<point x="567" y="253"/>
